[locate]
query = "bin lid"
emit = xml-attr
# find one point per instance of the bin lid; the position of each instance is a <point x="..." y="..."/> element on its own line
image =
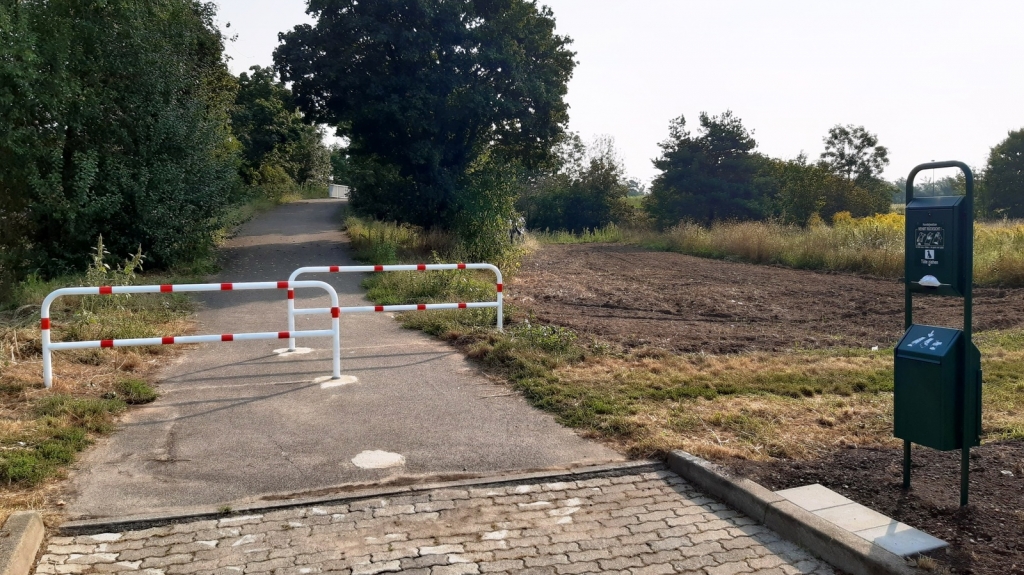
<point x="927" y="202"/>
<point x="928" y="340"/>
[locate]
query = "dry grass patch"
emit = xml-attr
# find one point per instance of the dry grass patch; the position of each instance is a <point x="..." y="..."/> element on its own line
<point x="42" y="430"/>
<point x="757" y="406"/>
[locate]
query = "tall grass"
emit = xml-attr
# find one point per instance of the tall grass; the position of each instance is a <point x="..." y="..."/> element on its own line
<point x="384" y="243"/>
<point x="872" y="245"/>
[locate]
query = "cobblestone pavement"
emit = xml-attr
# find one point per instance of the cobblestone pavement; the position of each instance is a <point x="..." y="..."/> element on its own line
<point x="639" y="521"/>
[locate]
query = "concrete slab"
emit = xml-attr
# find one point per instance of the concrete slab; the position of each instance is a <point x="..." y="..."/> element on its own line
<point x="902" y="539"/>
<point x="814" y="497"/>
<point x="893" y="536"/>
<point x="854" y="517"/>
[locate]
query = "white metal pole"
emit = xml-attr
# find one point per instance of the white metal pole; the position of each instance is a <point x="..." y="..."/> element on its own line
<point x="47" y="359"/>
<point x="291" y="318"/>
<point x="336" y="324"/>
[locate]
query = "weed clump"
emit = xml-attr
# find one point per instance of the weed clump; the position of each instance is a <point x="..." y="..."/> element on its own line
<point x="135" y="391"/>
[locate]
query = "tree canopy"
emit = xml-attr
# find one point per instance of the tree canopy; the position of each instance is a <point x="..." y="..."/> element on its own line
<point x="709" y="176"/>
<point x="1004" y="177"/>
<point x="427" y="89"/>
<point x="853" y="152"/>
<point x="587" y="191"/>
<point x="115" y="118"/>
<point x="278" y="145"/>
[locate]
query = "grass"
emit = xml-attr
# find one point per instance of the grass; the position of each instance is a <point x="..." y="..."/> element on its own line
<point x="872" y="245"/>
<point x="41" y="430"/>
<point x="797" y="404"/>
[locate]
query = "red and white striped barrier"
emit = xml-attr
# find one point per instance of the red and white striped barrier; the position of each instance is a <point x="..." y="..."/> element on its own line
<point x="497" y="303"/>
<point x="334" y="310"/>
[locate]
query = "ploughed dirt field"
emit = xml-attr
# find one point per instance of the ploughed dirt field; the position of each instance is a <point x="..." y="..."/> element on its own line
<point x="642" y="299"/>
<point x="639" y="298"/>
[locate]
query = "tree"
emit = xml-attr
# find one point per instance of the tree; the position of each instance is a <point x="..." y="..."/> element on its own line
<point x="707" y="177"/>
<point x="1004" y="177"/>
<point x="425" y="90"/>
<point x="275" y="139"/>
<point x="853" y="152"/>
<point x="587" y="192"/>
<point x="118" y="126"/>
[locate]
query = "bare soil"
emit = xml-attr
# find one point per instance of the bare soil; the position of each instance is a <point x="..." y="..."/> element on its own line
<point x="987" y="536"/>
<point x="637" y="298"/>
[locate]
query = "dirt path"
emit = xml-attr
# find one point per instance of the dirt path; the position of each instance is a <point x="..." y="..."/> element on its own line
<point x="238" y="423"/>
<point x="634" y="297"/>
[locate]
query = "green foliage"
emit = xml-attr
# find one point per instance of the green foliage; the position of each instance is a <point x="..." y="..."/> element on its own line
<point x="116" y="122"/>
<point x="608" y="234"/>
<point x="486" y="208"/>
<point x="65" y="424"/>
<point x="853" y="152"/>
<point x="428" y="92"/>
<point x="1004" y="177"/>
<point x="135" y="391"/>
<point x="87" y="413"/>
<point x="708" y="177"/>
<point x="279" y="150"/>
<point x="588" y="191"/>
<point x="340" y="165"/>
<point x="801" y="192"/>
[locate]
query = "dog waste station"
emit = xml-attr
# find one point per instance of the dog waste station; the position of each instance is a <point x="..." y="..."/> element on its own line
<point x="937" y="395"/>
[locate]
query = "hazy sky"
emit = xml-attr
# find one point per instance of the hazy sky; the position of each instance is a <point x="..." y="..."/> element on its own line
<point x="935" y="80"/>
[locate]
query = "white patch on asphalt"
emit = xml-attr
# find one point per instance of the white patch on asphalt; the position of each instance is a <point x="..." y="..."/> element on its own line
<point x="326" y="382"/>
<point x="378" y="459"/>
<point x="283" y="352"/>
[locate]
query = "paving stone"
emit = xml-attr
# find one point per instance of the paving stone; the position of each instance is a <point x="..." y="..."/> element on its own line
<point x="729" y="569"/>
<point x="660" y="569"/>
<point x="618" y="522"/>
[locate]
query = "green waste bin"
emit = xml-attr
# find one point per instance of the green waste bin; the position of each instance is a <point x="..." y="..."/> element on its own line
<point x="928" y="397"/>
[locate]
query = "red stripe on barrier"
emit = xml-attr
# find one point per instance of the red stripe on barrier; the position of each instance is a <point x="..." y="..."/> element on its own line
<point x="166" y="288"/>
<point x="335" y="312"/>
<point x="227" y="337"/>
<point x="167" y="340"/>
<point x="462" y="305"/>
<point x="283" y="335"/>
<point x="107" y="343"/>
<point x="500" y="287"/>
<point x="106" y="290"/>
<point x="335" y="269"/>
<point x="461" y="266"/>
<point x="282" y="285"/>
<point x="291" y="294"/>
<point x="45" y="323"/>
<point x="421" y="306"/>
<point x="378" y="308"/>
<point x="421" y="267"/>
<point x="378" y="268"/>
<point x="226" y="287"/>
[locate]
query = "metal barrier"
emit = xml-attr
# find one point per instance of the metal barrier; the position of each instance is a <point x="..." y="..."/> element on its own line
<point x="334" y="310"/>
<point x="337" y="191"/>
<point x="498" y="303"/>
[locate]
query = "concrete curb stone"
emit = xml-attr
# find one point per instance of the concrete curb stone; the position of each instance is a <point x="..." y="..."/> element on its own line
<point x="830" y="542"/>
<point x="20" y="538"/>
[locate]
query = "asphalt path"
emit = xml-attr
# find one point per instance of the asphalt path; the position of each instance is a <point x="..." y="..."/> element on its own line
<point x="237" y="423"/>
